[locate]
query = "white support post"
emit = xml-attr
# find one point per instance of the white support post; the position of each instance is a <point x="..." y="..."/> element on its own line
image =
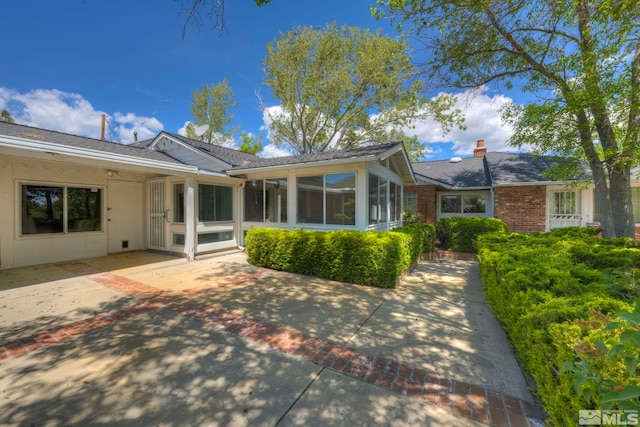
<point x="190" y="219"/>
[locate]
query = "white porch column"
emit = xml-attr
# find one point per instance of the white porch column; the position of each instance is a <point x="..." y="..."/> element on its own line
<point x="190" y="219"/>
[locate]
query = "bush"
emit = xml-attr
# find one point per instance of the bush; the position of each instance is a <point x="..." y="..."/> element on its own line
<point x="460" y="233"/>
<point x="550" y="292"/>
<point x="366" y="258"/>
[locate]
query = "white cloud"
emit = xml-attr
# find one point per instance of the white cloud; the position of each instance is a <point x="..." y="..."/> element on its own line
<point x="272" y="150"/>
<point x="482" y="120"/>
<point x="126" y="124"/>
<point x="71" y="113"/>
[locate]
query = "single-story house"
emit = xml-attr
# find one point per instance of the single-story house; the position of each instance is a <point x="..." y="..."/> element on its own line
<point x="508" y="186"/>
<point x="69" y="197"/>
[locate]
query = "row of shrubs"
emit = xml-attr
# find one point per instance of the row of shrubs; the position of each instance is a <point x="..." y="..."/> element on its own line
<point x="555" y="294"/>
<point x="459" y="234"/>
<point x="563" y="297"/>
<point x="366" y="258"/>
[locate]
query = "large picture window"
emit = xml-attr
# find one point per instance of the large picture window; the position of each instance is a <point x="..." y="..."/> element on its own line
<point x="340" y="193"/>
<point x="266" y="200"/>
<point x="215" y="203"/>
<point x="463" y="204"/>
<point x="59" y="209"/>
<point x="327" y="199"/>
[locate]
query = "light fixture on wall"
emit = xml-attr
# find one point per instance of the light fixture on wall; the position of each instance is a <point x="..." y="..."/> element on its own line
<point x="111" y="173"/>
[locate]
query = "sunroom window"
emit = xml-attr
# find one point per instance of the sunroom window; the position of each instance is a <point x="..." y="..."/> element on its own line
<point x="215" y="203"/>
<point x="327" y="199"/>
<point x="266" y="200"/>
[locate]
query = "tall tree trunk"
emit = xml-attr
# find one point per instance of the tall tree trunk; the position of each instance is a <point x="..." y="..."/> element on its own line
<point x="621" y="205"/>
<point x="615" y="157"/>
<point x="598" y="173"/>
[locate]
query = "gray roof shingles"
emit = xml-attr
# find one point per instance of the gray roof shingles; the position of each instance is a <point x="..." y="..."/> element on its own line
<point x="476" y="172"/>
<point x="237" y="159"/>
<point x="55" y="137"/>
<point x="470" y="172"/>
<point x="494" y="168"/>
<point x="227" y="155"/>
<point x="354" y="153"/>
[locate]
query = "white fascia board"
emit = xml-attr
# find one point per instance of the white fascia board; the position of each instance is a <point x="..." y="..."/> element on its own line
<point x="162" y="135"/>
<point x="399" y="148"/>
<point x="527" y="184"/>
<point x="203" y="172"/>
<point x="470" y="188"/>
<point x="302" y="165"/>
<point x="20" y="145"/>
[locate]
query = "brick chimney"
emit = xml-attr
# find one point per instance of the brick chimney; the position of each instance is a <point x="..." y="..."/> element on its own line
<point x="480" y="149"/>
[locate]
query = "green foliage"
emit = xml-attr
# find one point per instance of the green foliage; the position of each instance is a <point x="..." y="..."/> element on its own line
<point x="6" y="116"/>
<point x="460" y="233"/>
<point x="607" y="374"/>
<point x="409" y="217"/>
<point x="212" y="106"/>
<point x="581" y="54"/>
<point x="251" y="144"/>
<point x="552" y="292"/>
<point x="366" y="258"/>
<point x="343" y="87"/>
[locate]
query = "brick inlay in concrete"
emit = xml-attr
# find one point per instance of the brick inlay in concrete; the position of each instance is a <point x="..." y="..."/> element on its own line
<point x="463" y="399"/>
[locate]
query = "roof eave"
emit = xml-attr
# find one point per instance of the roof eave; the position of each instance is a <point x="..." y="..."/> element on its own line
<point x="242" y="171"/>
<point x="196" y="150"/>
<point x="28" y="145"/>
<point x="399" y="149"/>
<point x="525" y="184"/>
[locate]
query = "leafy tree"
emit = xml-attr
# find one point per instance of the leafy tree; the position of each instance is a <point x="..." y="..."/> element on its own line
<point x="6" y="116"/>
<point x="251" y="144"/>
<point x="212" y="106"/>
<point x="344" y="87"/>
<point x="415" y="149"/>
<point x="581" y="59"/>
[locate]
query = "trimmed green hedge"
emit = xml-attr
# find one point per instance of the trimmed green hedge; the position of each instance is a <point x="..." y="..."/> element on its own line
<point x="549" y="291"/>
<point x="459" y="234"/>
<point x="366" y="258"/>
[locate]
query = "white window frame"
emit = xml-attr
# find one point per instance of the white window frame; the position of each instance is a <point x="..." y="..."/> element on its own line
<point x="65" y="209"/>
<point x="487" y="197"/>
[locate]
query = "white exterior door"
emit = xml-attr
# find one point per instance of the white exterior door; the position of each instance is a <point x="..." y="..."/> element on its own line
<point x="564" y="208"/>
<point x="125" y="216"/>
<point x="157" y="215"/>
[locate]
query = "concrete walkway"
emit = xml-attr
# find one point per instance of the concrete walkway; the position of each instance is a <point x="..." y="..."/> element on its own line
<point x="146" y="339"/>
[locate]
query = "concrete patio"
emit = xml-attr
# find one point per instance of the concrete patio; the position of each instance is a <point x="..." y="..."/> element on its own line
<point x="147" y="339"/>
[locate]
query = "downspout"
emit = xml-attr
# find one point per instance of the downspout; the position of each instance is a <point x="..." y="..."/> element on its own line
<point x="493" y="193"/>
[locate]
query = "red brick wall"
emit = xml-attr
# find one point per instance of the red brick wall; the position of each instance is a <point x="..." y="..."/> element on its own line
<point x="523" y="209"/>
<point x="427" y="203"/>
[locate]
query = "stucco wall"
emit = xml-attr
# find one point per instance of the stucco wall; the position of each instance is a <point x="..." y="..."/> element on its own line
<point x="21" y="250"/>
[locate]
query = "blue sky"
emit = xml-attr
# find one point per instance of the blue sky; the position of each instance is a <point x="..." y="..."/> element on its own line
<point x="64" y="63"/>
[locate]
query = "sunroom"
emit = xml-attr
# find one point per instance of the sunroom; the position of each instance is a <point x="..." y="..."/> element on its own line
<point x="359" y="189"/>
